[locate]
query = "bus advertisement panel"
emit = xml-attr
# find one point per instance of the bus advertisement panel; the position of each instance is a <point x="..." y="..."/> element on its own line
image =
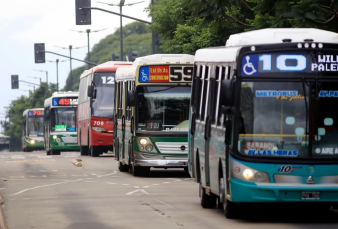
<point x="152" y="112"/>
<point x="273" y="127"/>
<point x="96" y="108"/>
<point x="60" y="123"/>
<point x="32" y="130"/>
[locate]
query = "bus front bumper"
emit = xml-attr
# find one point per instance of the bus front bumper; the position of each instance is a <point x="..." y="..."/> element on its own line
<point x="250" y="192"/>
<point x="159" y="163"/>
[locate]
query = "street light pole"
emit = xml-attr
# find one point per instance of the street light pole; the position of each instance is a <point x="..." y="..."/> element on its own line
<point x="121" y="5"/>
<point x="121" y="38"/>
<point x="70" y="60"/>
<point x="71" y="72"/>
<point x="88" y="31"/>
<point x="46" y="75"/>
<point x="57" y="74"/>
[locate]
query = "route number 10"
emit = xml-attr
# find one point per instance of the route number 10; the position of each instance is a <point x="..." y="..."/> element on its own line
<point x="281" y="62"/>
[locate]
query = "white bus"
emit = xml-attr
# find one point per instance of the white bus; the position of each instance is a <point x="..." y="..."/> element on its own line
<point x="32" y="130"/>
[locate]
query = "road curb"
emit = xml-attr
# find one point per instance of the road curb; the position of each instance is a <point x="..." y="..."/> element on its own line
<point x="3" y="224"/>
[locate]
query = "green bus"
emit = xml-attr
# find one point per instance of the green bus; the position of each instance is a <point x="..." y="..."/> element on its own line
<point x="152" y="113"/>
<point x="32" y="130"/>
<point x="60" y="123"/>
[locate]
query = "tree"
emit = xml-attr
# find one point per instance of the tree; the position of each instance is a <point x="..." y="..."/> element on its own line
<point x="17" y="107"/>
<point x="185" y="26"/>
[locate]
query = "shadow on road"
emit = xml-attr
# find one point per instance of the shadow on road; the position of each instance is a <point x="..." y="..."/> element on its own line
<point x="167" y="173"/>
<point x="302" y="217"/>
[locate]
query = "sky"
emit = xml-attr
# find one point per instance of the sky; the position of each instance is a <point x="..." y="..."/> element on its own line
<point x="25" y="22"/>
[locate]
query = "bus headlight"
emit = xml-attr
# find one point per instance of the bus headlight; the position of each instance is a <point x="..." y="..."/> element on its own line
<point x="98" y="129"/>
<point x="55" y="137"/>
<point x="143" y="141"/>
<point x="32" y="141"/>
<point x="149" y="147"/>
<point x="248" y="174"/>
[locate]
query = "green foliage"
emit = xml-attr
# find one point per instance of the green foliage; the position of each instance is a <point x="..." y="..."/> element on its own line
<point x="185" y="26"/>
<point x="13" y="123"/>
<point x="136" y="37"/>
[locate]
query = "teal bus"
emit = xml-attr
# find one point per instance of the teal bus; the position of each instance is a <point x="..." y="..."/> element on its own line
<point x="32" y="130"/>
<point x="60" y="123"/>
<point x="263" y="124"/>
<point x="152" y="100"/>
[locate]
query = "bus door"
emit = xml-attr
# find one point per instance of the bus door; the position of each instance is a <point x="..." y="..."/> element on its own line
<point x="129" y="85"/>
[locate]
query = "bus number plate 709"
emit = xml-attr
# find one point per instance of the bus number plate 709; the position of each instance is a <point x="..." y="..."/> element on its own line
<point x="310" y="195"/>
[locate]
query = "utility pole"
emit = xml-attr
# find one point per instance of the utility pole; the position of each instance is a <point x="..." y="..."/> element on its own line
<point x="45" y="72"/>
<point x="57" y="71"/>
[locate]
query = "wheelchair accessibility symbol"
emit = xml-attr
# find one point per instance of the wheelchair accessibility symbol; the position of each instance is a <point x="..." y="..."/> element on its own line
<point x="250" y="65"/>
<point x="144" y="74"/>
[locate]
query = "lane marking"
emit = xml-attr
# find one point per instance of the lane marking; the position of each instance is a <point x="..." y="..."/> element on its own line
<point x="156" y="184"/>
<point x="110" y="183"/>
<point x="136" y="186"/>
<point x="45" y="157"/>
<point x="132" y="192"/>
<point x="17" y="157"/>
<point x="107" y="174"/>
<point x="43" y="186"/>
<point x="126" y="184"/>
<point x="145" y="187"/>
<point x="168" y="205"/>
<point x="166" y="183"/>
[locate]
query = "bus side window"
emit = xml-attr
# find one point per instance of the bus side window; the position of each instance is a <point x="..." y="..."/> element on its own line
<point x="204" y="78"/>
<point x="197" y="90"/>
<point x="215" y="88"/>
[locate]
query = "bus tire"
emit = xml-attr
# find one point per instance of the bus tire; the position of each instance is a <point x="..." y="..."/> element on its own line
<point x="230" y="209"/>
<point x="94" y="151"/>
<point x="123" y="168"/>
<point x="221" y="198"/>
<point x="207" y="201"/>
<point x="56" y="152"/>
<point x="84" y="150"/>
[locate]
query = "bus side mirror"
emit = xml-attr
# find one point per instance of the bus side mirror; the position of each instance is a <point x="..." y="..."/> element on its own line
<point x="90" y="91"/>
<point x="130" y="98"/>
<point x="47" y="114"/>
<point x="24" y="121"/>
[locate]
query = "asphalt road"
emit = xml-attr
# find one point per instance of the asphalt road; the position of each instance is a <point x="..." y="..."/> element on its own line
<point x="49" y="192"/>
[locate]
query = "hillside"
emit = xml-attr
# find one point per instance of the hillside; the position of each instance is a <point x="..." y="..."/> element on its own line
<point x="136" y="37"/>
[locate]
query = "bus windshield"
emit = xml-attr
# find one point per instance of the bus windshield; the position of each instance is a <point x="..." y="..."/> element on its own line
<point x="63" y="119"/>
<point x="163" y="108"/>
<point x="277" y="119"/>
<point x="103" y="104"/>
<point x="35" y="126"/>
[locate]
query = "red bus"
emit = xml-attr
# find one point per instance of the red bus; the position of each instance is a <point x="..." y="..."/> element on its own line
<point x="96" y="108"/>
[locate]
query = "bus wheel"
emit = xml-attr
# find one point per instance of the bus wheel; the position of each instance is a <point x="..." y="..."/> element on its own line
<point x="84" y="150"/>
<point x="49" y="152"/>
<point x="230" y="209"/>
<point x="56" y="152"/>
<point x="94" y="151"/>
<point x="221" y="198"/>
<point x="207" y="201"/>
<point x="123" y="168"/>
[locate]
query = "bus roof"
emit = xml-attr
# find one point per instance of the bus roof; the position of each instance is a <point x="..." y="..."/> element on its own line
<point x="33" y="109"/>
<point x="128" y="72"/>
<point x="105" y="67"/>
<point x="235" y="42"/>
<point x="164" y="58"/>
<point x="276" y="35"/>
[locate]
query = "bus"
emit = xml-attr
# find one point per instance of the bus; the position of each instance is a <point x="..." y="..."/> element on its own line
<point x="151" y="113"/>
<point x="263" y="124"/>
<point x="96" y="108"/>
<point x="60" y="123"/>
<point x="4" y="143"/>
<point x="32" y="130"/>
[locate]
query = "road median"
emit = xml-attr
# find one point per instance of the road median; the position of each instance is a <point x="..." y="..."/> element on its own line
<point x="2" y="217"/>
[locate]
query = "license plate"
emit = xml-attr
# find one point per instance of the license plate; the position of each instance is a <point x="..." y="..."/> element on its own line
<point x="310" y="195"/>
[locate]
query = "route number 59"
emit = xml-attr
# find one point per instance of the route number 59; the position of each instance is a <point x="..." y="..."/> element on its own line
<point x="180" y="73"/>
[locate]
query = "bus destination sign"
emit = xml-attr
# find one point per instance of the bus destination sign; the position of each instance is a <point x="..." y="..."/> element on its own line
<point x="64" y="101"/>
<point x="303" y="62"/>
<point x="165" y="74"/>
<point x="35" y="113"/>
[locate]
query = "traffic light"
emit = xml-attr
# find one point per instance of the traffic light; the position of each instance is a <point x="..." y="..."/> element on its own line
<point x="132" y="55"/>
<point x="15" y="81"/>
<point x="115" y="56"/>
<point x="83" y="16"/>
<point x="39" y="53"/>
